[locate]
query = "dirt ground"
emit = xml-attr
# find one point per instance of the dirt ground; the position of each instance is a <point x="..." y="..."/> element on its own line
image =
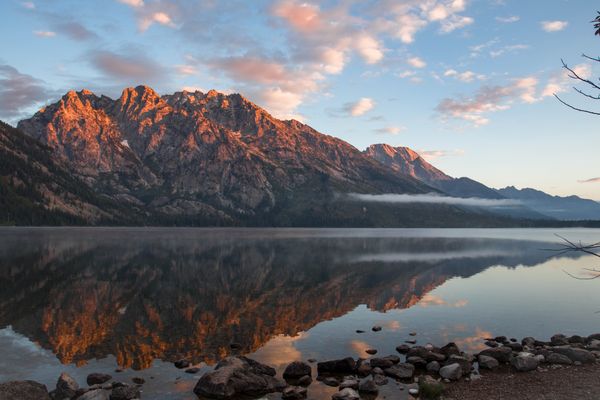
<point x="565" y="383"/>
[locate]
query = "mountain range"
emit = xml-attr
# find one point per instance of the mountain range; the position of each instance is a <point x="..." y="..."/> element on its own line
<point x="193" y="158"/>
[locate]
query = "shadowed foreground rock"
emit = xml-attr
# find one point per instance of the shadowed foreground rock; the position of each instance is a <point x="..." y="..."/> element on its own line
<point x="238" y="376"/>
<point x="23" y="390"/>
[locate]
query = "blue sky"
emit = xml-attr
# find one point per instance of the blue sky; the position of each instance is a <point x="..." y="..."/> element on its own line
<point x="468" y="83"/>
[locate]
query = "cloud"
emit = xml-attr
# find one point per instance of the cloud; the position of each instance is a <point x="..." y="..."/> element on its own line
<point x="44" y="34"/>
<point x="28" y="5"/>
<point x="359" y="107"/>
<point x="369" y="48"/>
<point x="132" y="3"/>
<point x="508" y="49"/>
<point x="508" y="20"/>
<point x="465" y="76"/>
<point x="554" y="26"/>
<point x="133" y="67"/>
<point x="455" y="22"/>
<point x="435" y="154"/>
<point x="416" y="62"/>
<point x="19" y="92"/>
<point x="592" y="180"/>
<point x="433" y="300"/>
<point x="390" y="130"/>
<point x="157" y="12"/>
<point x="185" y="69"/>
<point x="432" y="198"/>
<point x="75" y="31"/>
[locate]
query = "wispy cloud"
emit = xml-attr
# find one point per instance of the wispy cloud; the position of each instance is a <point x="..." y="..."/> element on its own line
<point x="432" y="198"/>
<point x="416" y="62"/>
<point x="508" y="20"/>
<point x="130" y="68"/>
<point x="465" y="76"/>
<point x="591" y="180"/>
<point x="359" y="107"/>
<point x="554" y="26"/>
<point x="75" y="30"/>
<point x="390" y="130"/>
<point x="44" y="34"/>
<point x="430" y="155"/>
<point x="30" y="5"/>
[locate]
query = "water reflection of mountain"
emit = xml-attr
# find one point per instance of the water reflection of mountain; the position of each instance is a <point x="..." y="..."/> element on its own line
<point x="86" y="294"/>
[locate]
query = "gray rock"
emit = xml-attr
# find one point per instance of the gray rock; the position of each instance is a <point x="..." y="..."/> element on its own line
<point x="349" y="383"/>
<point x="426" y="354"/>
<point x="594" y="344"/>
<point x="403" y="349"/>
<point x="595" y="336"/>
<point x="377" y="371"/>
<point x="376" y="328"/>
<point x="559" y="340"/>
<point x="528" y="341"/>
<point x="342" y="366"/>
<point x="576" y="339"/>
<point x="400" y="371"/>
<point x="304" y="381"/>
<point x="371" y="351"/>
<point x="125" y="393"/>
<point x="181" y="364"/>
<point x="555" y="358"/>
<point x="294" y="392"/>
<point x="515" y="346"/>
<point x="297" y="369"/>
<point x="331" y="381"/>
<point x="524" y="362"/>
<point x="380" y="380"/>
<point x="97" y="394"/>
<point x="449" y="349"/>
<point x="581" y="355"/>
<point x="488" y="362"/>
<point x="23" y="390"/>
<point x="237" y="377"/>
<point x="502" y="353"/>
<point x="97" y="379"/>
<point x="66" y="387"/>
<point x="465" y="364"/>
<point x="364" y="368"/>
<point x="346" y="394"/>
<point x="381" y="362"/>
<point x="433" y="366"/>
<point x="452" y="372"/>
<point x="416" y="361"/>
<point x="368" y="386"/>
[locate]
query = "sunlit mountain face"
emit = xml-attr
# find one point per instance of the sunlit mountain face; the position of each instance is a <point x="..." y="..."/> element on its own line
<point x="146" y="295"/>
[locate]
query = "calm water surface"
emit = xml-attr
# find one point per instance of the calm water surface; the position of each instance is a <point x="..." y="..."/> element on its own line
<point x="87" y="300"/>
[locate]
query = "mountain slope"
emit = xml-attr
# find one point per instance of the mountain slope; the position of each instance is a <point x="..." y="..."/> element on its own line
<point x="37" y="188"/>
<point x="224" y="160"/>
<point x="404" y="160"/>
<point x="562" y="208"/>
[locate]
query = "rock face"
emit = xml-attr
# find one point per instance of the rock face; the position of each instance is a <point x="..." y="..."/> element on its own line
<point x="235" y="377"/>
<point x="208" y="155"/>
<point x="23" y="390"/>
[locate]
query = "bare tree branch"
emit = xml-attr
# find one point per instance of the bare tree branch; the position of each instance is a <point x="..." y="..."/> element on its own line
<point x="575" y="108"/>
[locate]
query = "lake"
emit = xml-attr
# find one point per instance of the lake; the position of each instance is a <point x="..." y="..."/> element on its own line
<point x="87" y="300"/>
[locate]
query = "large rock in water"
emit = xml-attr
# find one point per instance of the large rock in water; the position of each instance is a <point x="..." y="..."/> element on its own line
<point x="66" y="387"/>
<point x="235" y="377"/>
<point x="23" y="390"/>
<point x="296" y="369"/>
<point x="502" y="353"/>
<point x="345" y="365"/>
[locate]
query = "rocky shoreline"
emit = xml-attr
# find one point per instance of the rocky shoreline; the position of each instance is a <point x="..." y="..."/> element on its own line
<point x="424" y="372"/>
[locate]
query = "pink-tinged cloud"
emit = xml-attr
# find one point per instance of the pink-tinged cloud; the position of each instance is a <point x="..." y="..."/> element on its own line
<point x="554" y="26"/>
<point x="303" y="17"/>
<point x="591" y="180"/>
<point x="44" y="34"/>
<point x="131" y="67"/>
<point x="359" y="107"/>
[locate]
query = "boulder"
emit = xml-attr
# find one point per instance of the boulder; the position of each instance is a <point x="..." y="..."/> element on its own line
<point x="524" y="362"/>
<point x="403" y="349"/>
<point x="487" y="362"/>
<point x="349" y="383"/>
<point x="126" y="392"/>
<point x="66" y="387"/>
<point x="555" y="358"/>
<point x="426" y="354"/>
<point x="371" y="351"/>
<point x="376" y="328"/>
<point x="514" y="346"/>
<point x="364" y="368"/>
<point x="304" y="381"/>
<point x="417" y="362"/>
<point x="181" y="364"/>
<point x="576" y="339"/>
<point x="491" y="343"/>
<point x="237" y="377"/>
<point x="502" y="354"/>
<point x="580" y="355"/>
<point x="528" y="341"/>
<point x="595" y="336"/>
<point x="380" y="380"/>
<point x="451" y="372"/>
<point x="559" y="340"/>
<point x="23" y="390"/>
<point x="400" y="371"/>
<point x="381" y="362"/>
<point x="95" y="394"/>
<point x="433" y="366"/>
<point x="465" y="364"/>
<point x="449" y="349"/>
<point x="342" y="366"/>
<point x="294" y="393"/>
<point x="331" y="381"/>
<point x="368" y="386"/>
<point x="346" y="394"/>
<point x="97" y="379"/>
<point x="296" y="369"/>
<point x="594" y="345"/>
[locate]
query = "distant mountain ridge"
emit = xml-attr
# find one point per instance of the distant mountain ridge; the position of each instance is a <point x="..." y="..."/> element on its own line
<point x="215" y="159"/>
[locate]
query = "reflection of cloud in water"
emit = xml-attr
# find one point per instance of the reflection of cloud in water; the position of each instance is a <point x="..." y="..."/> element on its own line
<point x="359" y="347"/>
<point x="393" y="326"/>
<point x="281" y="350"/>
<point x="429" y="257"/>
<point x="432" y="300"/>
<point x="474" y="342"/>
